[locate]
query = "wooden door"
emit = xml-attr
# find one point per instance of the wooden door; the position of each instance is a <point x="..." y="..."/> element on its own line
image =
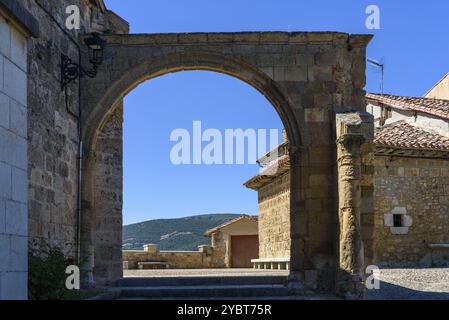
<point x="243" y="249"/>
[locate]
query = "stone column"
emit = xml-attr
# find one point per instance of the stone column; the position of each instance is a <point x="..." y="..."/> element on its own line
<point x="350" y="138"/>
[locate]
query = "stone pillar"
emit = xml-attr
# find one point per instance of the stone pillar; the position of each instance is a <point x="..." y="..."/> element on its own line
<point x="107" y="205"/>
<point x="150" y="248"/>
<point x="207" y="250"/>
<point x="350" y="138"/>
<point x="299" y="261"/>
<point x="219" y="250"/>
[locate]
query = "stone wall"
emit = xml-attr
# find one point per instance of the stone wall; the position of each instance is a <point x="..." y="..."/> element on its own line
<point x="220" y="247"/>
<point x="418" y="189"/>
<point x="108" y="181"/>
<point x="13" y="161"/>
<point x="274" y="218"/>
<point x="39" y="194"/>
<point x="53" y="138"/>
<point x="201" y="259"/>
<point x="53" y="127"/>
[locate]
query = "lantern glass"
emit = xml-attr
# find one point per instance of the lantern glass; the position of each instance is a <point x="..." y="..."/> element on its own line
<point x="95" y="45"/>
<point x="97" y="56"/>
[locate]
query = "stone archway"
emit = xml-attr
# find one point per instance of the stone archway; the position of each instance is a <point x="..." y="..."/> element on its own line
<point x="306" y="77"/>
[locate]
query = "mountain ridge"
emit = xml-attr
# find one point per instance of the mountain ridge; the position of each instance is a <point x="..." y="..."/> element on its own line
<point x="185" y="233"/>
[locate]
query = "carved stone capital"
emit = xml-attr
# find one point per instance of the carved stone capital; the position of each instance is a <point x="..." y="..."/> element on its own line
<point x="349" y="141"/>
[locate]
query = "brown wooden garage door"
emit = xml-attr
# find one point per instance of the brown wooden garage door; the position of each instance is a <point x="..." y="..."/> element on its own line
<point x="243" y="249"/>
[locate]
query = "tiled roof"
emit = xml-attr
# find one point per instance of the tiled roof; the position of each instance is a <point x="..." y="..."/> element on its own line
<point x="217" y="228"/>
<point x="436" y="107"/>
<point x="402" y="135"/>
<point x="269" y="173"/>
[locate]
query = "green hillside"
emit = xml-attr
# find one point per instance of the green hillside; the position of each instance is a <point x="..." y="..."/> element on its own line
<point x="173" y="234"/>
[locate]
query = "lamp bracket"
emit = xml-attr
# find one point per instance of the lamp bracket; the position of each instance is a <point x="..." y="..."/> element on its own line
<point x="70" y="71"/>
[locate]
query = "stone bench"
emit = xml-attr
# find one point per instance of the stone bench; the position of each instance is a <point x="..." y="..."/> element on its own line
<point x="271" y="263"/>
<point x="152" y="265"/>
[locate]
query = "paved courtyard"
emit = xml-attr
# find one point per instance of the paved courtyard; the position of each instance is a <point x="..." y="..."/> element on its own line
<point x="412" y="284"/>
<point x="396" y="284"/>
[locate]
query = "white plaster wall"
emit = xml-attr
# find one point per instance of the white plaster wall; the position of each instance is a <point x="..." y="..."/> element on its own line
<point x="13" y="164"/>
<point x="241" y="228"/>
<point x="376" y="111"/>
<point x="440" y="90"/>
<point x="399" y="115"/>
<point x="436" y="124"/>
<point x="420" y="119"/>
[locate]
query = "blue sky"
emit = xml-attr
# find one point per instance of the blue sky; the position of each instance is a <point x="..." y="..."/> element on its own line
<point x="413" y="43"/>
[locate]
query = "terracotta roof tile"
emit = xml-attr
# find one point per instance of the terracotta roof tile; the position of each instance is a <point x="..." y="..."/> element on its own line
<point x="403" y="135"/>
<point x="436" y="107"/>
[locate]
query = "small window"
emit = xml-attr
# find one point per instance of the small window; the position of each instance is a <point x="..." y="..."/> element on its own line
<point x="397" y="220"/>
<point x="388" y="113"/>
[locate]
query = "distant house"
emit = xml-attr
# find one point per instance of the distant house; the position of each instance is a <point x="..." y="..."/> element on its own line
<point x="235" y="243"/>
<point x="425" y="113"/>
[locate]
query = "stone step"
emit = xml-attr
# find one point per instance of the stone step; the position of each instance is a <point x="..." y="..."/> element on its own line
<point x="200" y="281"/>
<point x="203" y="291"/>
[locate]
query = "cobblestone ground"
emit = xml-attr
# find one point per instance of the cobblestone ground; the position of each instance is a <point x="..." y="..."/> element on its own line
<point x="396" y="284"/>
<point x="412" y="284"/>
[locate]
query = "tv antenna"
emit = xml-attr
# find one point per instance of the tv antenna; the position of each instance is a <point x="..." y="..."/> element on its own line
<point x="380" y="65"/>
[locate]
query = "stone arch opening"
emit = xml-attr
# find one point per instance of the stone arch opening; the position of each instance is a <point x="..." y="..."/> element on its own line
<point x="104" y="256"/>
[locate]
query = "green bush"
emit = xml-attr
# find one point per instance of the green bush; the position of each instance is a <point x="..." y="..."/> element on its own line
<point x="46" y="274"/>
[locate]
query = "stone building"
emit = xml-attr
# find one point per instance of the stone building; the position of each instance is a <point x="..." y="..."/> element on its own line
<point x="411" y="187"/>
<point x="411" y="179"/>
<point x="273" y="187"/>
<point x="40" y="134"/>
<point x="235" y="243"/>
